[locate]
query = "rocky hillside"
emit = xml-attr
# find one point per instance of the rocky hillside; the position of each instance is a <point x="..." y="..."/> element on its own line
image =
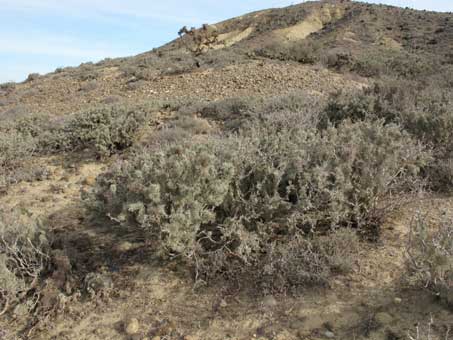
<point x="285" y="175"/>
<point x="271" y="51"/>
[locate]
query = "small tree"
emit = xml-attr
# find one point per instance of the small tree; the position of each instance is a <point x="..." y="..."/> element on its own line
<point x="198" y="41"/>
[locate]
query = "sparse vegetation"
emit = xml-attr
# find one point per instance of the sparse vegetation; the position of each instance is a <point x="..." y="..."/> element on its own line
<point x="303" y="52"/>
<point x="23" y="260"/>
<point x="261" y="160"/>
<point x="15" y="147"/>
<point x="430" y="256"/>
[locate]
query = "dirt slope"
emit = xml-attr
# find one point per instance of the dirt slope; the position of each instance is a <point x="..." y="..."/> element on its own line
<point x="116" y="272"/>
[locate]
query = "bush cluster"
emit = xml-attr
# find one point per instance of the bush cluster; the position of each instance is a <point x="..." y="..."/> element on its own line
<point x="237" y="204"/>
<point x="107" y="129"/>
<point x="15" y="147"/>
<point x="304" y="52"/>
<point x="425" y="113"/>
<point x="430" y="256"/>
<point x="23" y="259"/>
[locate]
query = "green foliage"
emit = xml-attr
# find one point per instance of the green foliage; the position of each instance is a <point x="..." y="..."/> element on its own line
<point x="23" y="258"/>
<point x="430" y="257"/>
<point x="222" y="202"/>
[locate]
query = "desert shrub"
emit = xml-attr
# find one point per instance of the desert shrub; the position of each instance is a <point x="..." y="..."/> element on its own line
<point x="337" y="58"/>
<point x="435" y="128"/>
<point x="175" y="192"/>
<point x="32" y="77"/>
<point x="178" y="130"/>
<point x="139" y="73"/>
<point x="376" y="63"/>
<point x="87" y="72"/>
<point x="293" y="101"/>
<point x="304" y="51"/>
<point x="425" y="113"/>
<point x="192" y="124"/>
<point x="223" y="57"/>
<point x="226" y="203"/>
<point x="387" y="100"/>
<point x="23" y="259"/>
<point x="153" y="65"/>
<point x="8" y="87"/>
<point x="430" y="256"/>
<point x="15" y="148"/>
<point x="224" y="109"/>
<point x="106" y="129"/>
<point x="305" y="261"/>
<point x="165" y="136"/>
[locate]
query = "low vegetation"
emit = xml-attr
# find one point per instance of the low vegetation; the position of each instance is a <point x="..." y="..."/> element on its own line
<point x="278" y="193"/>
<point x="23" y="260"/>
<point x="430" y="256"/>
<point x="15" y="147"/>
<point x="229" y="204"/>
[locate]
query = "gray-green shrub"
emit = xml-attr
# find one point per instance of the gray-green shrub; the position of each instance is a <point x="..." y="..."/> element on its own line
<point x="106" y="129"/>
<point x="23" y="258"/>
<point x="430" y="256"/>
<point x="426" y="114"/>
<point x="222" y="202"/>
<point x="15" y="148"/>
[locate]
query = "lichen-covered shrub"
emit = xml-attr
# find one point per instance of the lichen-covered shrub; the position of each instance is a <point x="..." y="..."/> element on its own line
<point x="23" y="258"/>
<point x="228" y="203"/>
<point x="430" y="256"/>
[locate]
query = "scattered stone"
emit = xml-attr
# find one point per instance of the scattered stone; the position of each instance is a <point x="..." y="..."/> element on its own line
<point x="125" y="246"/>
<point x="329" y="335"/>
<point x="223" y="303"/>
<point x="269" y="301"/>
<point x="131" y="326"/>
<point x="191" y="337"/>
<point x="398" y="300"/>
<point x="89" y="180"/>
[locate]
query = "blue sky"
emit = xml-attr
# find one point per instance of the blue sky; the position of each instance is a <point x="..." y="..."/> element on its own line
<point x="41" y="35"/>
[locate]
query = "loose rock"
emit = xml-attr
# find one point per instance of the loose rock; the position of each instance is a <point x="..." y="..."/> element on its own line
<point x="131" y="326"/>
<point x="329" y="335"/>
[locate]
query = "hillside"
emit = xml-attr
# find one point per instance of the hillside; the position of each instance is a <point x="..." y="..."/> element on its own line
<point x="286" y="174"/>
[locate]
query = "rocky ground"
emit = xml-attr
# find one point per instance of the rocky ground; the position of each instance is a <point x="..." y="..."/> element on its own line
<point x="116" y="289"/>
<point x="127" y="295"/>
